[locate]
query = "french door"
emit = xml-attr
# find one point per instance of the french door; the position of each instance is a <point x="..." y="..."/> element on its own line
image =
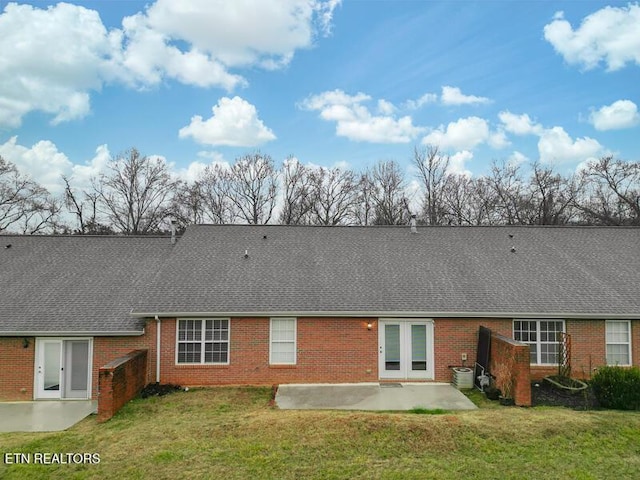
<point x="63" y="368"/>
<point x="406" y="349"/>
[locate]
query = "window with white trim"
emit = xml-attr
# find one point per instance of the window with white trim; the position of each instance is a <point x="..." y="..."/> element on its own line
<point x="542" y="336"/>
<point x="618" y="338"/>
<point x="203" y="341"/>
<point x="282" y="344"/>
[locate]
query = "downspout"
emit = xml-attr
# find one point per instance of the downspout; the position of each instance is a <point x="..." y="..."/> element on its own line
<point x="157" y="349"/>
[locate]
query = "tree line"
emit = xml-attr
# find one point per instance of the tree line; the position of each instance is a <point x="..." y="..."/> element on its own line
<point x="137" y="195"/>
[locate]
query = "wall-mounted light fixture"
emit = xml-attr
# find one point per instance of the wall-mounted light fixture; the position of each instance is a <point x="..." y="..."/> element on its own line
<point x="369" y="326"/>
<point x="25" y="342"/>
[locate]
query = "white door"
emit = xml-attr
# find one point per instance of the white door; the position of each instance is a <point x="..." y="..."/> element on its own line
<point x="406" y="349"/>
<point x="76" y="368"/>
<point x="49" y="368"/>
<point x="63" y="368"/>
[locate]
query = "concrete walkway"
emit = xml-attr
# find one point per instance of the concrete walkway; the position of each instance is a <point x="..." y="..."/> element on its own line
<point x="372" y="396"/>
<point x="44" y="415"/>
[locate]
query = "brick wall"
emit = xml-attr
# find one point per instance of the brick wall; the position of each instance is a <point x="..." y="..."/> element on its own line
<point x="340" y="350"/>
<point x="16" y="368"/>
<point x="120" y="381"/>
<point x="105" y="349"/>
<point x="329" y="350"/>
<point x="455" y="336"/>
<point x="504" y="350"/>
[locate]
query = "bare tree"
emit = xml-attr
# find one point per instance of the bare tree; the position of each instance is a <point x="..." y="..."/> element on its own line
<point x="364" y="211"/>
<point x="388" y="193"/>
<point x="297" y="193"/>
<point x="611" y="194"/>
<point x="25" y="206"/>
<point x="251" y="187"/>
<point x="83" y="205"/>
<point x="335" y="196"/>
<point x="432" y="169"/>
<point x="136" y="193"/>
<point x="508" y="188"/>
<point x="550" y="198"/>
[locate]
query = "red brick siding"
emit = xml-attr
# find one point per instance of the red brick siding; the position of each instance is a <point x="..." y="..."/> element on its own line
<point x="120" y="381"/>
<point x="16" y="368"/>
<point x="339" y="350"/>
<point x="455" y="336"/>
<point x="329" y="350"/>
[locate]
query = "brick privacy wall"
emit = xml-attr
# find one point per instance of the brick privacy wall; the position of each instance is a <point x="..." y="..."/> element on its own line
<point x="329" y="350"/>
<point x="105" y="349"/>
<point x="120" y="381"/>
<point x="504" y="349"/>
<point x="16" y="368"/>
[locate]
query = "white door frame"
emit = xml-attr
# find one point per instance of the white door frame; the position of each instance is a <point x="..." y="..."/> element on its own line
<point x="405" y="372"/>
<point x="64" y="367"/>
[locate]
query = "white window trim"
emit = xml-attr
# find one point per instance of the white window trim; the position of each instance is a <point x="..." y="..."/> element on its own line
<point x="203" y="342"/>
<point x="538" y="341"/>
<point x="295" y="341"/>
<point x="628" y="322"/>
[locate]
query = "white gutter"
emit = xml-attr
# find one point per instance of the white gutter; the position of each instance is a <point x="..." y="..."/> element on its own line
<point x="394" y="314"/>
<point x="157" y="349"/>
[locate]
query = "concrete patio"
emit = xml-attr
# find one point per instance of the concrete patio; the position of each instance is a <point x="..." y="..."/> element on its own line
<point x="44" y="415"/>
<point x="372" y="396"/>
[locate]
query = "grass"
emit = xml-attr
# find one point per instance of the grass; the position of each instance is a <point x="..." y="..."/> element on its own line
<point x="234" y="433"/>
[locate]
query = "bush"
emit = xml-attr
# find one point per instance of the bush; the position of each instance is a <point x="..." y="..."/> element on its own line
<point x="617" y="387"/>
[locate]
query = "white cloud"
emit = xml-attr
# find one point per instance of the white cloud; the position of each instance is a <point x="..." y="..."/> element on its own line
<point x="234" y="122"/>
<point x="464" y="134"/>
<point x="453" y="96"/>
<point x="610" y="35"/>
<point x="420" y="102"/>
<point x="37" y="74"/>
<point x="457" y="163"/>
<point x="148" y="58"/>
<point x="517" y="158"/>
<point x="81" y="175"/>
<point x="243" y="32"/>
<point x="42" y="162"/>
<point x="53" y="58"/>
<point x="498" y="139"/>
<point x="556" y="146"/>
<point x="618" y="115"/>
<point x="385" y="107"/>
<point x="355" y="121"/>
<point x="519" y="124"/>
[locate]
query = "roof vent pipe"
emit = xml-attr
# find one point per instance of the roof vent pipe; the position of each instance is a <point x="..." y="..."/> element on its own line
<point x="412" y="222"/>
<point x="173" y="231"/>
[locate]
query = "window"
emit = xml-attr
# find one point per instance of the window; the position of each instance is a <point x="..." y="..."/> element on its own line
<point x="203" y="341"/>
<point x="618" y="333"/>
<point x="542" y="336"/>
<point x="283" y="341"/>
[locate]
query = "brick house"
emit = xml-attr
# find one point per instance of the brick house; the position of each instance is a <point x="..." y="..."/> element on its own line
<point x="240" y="304"/>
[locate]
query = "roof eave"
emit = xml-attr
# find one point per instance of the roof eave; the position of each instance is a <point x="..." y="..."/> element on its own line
<point x="75" y="333"/>
<point x="387" y="314"/>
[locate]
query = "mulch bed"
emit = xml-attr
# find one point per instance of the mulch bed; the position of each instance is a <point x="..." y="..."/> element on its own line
<point x="158" y="390"/>
<point x="542" y="393"/>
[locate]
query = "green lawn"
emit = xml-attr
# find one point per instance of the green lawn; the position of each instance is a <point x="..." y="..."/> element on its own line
<point x="234" y="433"/>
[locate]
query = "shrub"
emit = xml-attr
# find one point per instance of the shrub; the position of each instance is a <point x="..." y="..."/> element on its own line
<point x="617" y="387"/>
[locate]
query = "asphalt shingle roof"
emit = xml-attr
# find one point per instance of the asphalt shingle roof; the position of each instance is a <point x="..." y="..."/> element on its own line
<point x="75" y="283"/>
<point x="103" y="285"/>
<point x="574" y="271"/>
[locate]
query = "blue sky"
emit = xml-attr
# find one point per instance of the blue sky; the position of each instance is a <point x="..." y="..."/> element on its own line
<point x="330" y="82"/>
